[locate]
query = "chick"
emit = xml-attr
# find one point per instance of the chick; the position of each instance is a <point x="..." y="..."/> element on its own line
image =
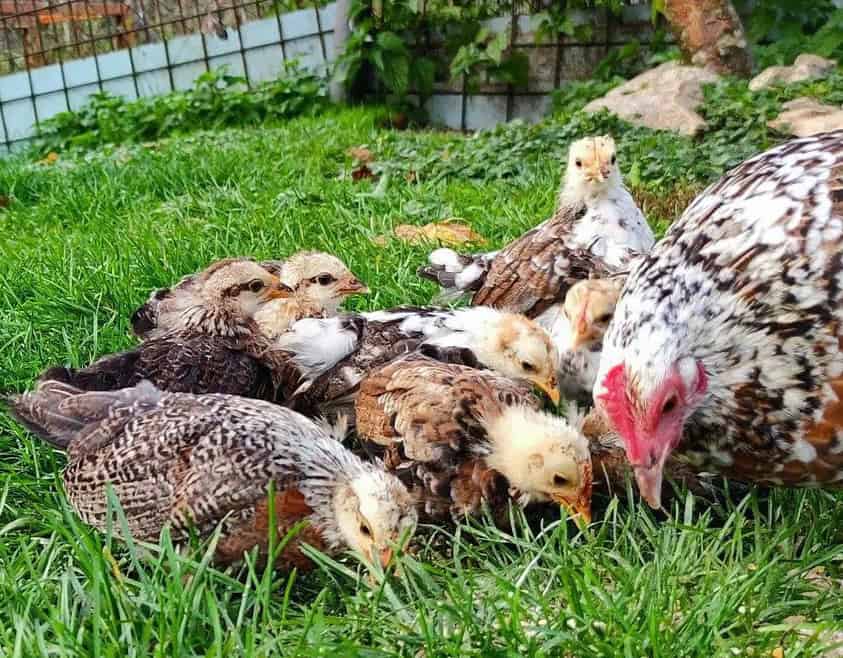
<point x="331" y="356"/>
<point x="578" y="333"/>
<point x="194" y="463"/>
<point x="472" y="438"/>
<point x="214" y="344"/>
<point x="597" y="230"/>
<point x="320" y="282"/>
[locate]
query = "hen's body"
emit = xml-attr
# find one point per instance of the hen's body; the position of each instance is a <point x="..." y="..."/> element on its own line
<point x="740" y="306"/>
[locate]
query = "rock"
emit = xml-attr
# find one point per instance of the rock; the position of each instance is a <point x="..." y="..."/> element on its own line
<point x="663" y="98"/>
<point x="807" y="116"/>
<point x="806" y="67"/>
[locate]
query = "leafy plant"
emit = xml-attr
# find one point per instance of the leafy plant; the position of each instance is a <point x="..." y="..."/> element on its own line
<point x="485" y="59"/>
<point x="216" y="99"/>
<point x="782" y="29"/>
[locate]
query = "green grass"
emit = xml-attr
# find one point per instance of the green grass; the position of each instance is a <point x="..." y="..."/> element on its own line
<point x="83" y="242"/>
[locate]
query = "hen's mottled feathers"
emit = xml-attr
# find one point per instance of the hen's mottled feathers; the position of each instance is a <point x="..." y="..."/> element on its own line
<point x="193" y="463"/>
<point x="735" y="319"/>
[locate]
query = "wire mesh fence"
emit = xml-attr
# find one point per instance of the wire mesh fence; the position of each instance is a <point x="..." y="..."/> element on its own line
<point x="57" y="53"/>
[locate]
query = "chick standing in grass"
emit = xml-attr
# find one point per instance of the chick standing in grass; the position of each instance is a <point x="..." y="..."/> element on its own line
<point x="329" y="357"/>
<point x="214" y="344"/>
<point x="194" y="463"/>
<point x="466" y="438"/>
<point x="320" y="283"/>
<point x="578" y="334"/>
<point x="596" y="230"/>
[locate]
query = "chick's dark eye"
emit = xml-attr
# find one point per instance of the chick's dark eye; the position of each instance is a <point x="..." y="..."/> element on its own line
<point x="578" y="162"/>
<point x="603" y="318"/>
<point x="669" y="405"/>
<point x="559" y="480"/>
<point x="365" y="530"/>
<point x="529" y="367"/>
<point x="325" y="279"/>
<point x="614" y="159"/>
<point x="256" y="285"/>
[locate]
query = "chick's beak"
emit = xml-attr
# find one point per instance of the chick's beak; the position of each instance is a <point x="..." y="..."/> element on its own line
<point x="385" y="556"/>
<point x="580" y="335"/>
<point x="579" y="506"/>
<point x="278" y="291"/>
<point x="550" y="387"/>
<point x="353" y="286"/>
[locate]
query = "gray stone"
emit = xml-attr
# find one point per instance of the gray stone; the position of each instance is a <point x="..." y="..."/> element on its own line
<point x="663" y="98"/>
<point x="806" y="67"/>
<point x="807" y="116"/>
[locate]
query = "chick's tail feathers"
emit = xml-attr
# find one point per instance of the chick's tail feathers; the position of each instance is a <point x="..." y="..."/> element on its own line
<point x="457" y="274"/>
<point x="106" y="374"/>
<point x="56" y="412"/>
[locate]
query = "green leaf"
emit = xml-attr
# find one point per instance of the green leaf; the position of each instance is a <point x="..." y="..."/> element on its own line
<point x="423" y="72"/>
<point x="390" y="42"/>
<point x="396" y="73"/>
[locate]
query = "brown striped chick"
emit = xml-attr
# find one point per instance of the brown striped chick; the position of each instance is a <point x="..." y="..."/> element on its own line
<point x="321" y="283"/>
<point x="204" y="463"/>
<point x="463" y="439"/>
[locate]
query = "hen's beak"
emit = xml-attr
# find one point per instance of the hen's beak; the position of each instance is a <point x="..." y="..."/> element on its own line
<point x="353" y="286"/>
<point x="279" y="291"/>
<point x="550" y="387"/>
<point x="650" y="483"/>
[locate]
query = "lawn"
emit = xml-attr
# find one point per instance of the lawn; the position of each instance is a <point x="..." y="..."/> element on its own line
<point x="86" y="237"/>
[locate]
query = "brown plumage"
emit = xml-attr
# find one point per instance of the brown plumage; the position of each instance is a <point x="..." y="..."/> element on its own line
<point x="319" y="281"/>
<point x="194" y="463"/>
<point x="215" y="347"/>
<point x="471" y="437"/>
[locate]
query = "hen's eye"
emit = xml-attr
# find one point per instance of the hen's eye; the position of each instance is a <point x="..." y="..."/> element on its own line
<point x="325" y="279"/>
<point x="256" y="285"/>
<point x="529" y="367"/>
<point x="578" y="162"/>
<point x="614" y="158"/>
<point x="559" y="480"/>
<point x="669" y="405"/>
<point x="365" y="530"/>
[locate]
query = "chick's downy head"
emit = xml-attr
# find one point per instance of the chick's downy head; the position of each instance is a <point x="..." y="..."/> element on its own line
<point x="589" y="306"/>
<point x="375" y="514"/>
<point x="592" y="166"/>
<point x="517" y="347"/>
<point x="544" y="458"/>
<point x="320" y="280"/>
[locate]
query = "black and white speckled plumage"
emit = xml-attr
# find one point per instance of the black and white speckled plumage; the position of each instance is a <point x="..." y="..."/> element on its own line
<point x="749" y="282"/>
<point x="332" y="355"/>
<point x="193" y="462"/>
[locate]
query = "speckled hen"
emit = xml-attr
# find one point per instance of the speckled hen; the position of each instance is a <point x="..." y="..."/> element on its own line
<point x="727" y="343"/>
